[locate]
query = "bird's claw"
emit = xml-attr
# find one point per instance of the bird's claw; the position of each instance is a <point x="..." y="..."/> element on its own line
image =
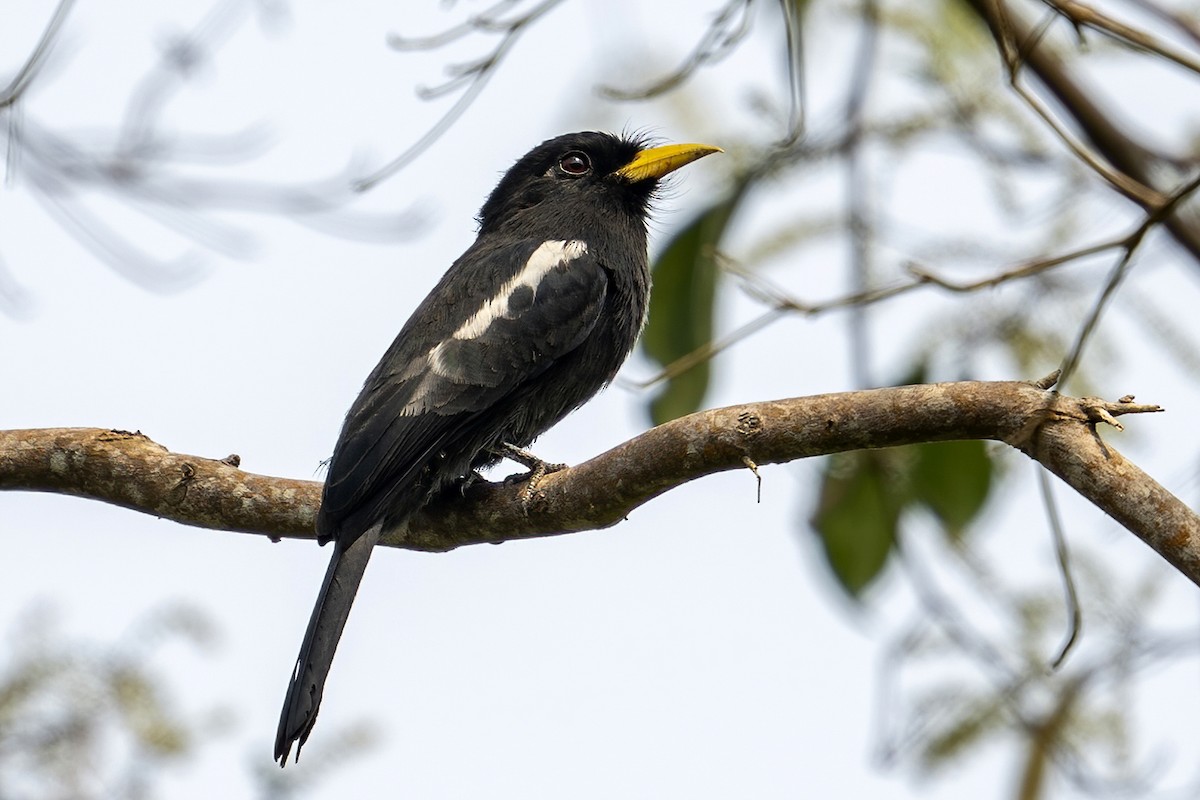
<point x="472" y="478"/>
<point x="538" y="469"/>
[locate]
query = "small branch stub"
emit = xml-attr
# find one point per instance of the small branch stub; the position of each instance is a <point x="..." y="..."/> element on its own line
<point x="1099" y="410"/>
<point x="750" y="465"/>
<point x="1048" y="381"/>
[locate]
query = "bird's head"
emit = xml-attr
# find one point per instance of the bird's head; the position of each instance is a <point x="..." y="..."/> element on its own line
<point x="600" y="170"/>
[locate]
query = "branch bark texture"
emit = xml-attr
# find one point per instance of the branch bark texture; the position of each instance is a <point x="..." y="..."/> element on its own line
<point x="130" y="470"/>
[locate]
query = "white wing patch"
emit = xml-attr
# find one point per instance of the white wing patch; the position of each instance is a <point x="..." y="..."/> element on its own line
<point x="541" y="262"/>
<point x="548" y="256"/>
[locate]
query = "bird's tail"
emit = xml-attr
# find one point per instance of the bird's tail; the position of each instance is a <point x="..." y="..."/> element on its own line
<point x="345" y="572"/>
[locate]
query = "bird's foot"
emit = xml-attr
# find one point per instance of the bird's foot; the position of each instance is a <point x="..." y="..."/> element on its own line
<point x="473" y="477"/>
<point x="538" y="469"/>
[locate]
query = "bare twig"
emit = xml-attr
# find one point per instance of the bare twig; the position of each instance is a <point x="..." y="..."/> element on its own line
<point x="1063" y="556"/>
<point x="781" y="303"/>
<point x="179" y="58"/>
<point x="1187" y="25"/>
<point x="1015" y="51"/>
<point x="1129" y="157"/>
<point x="490" y="19"/>
<point x="725" y="32"/>
<point x="134" y="165"/>
<point x="1120" y="270"/>
<point x="473" y="75"/>
<point x="709" y="350"/>
<point x="16" y="87"/>
<point x="1082" y="15"/>
<point x="10" y="94"/>
<point x="797" y="96"/>
<point x="860" y="222"/>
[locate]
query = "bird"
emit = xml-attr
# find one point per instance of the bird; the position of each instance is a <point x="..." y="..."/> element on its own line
<point x="529" y="323"/>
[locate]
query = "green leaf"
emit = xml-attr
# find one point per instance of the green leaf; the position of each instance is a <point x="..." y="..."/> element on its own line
<point x="857" y="514"/>
<point x="682" y="307"/>
<point x="952" y="479"/>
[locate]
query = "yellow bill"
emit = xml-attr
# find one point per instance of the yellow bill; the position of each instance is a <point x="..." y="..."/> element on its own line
<point x="656" y="162"/>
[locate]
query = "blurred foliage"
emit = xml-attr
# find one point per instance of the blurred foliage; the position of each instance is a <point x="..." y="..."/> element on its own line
<point x="864" y="495"/>
<point x="1078" y="721"/>
<point x="952" y="480"/>
<point x="80" y="721"/>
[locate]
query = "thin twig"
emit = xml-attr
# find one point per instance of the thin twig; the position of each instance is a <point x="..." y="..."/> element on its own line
<point x="709" y="350"/>
<point x="1096" y="124"/>
<point x="1026" y="270"/>
<point x="488" y="19"/>
<point x="797" y="96"/>
<point x="1086" y="16"/>
<point x="178" y="60"/>
<point x="858" y="215"/>
<point x="1183" y="23"/>
<point x="1120" y="270"/>
<point x="724" y="33"/>
<point x="133" y="165"/>
<point x="1063" y="558"/>
<point x="20" y="82"/>
<point x="475" y="75"/>
<point x="780" y="302"/>
<point x="1013" y="55"/>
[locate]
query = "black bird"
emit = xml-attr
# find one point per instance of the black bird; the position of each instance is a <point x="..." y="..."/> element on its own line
<point x="530" y="322"/>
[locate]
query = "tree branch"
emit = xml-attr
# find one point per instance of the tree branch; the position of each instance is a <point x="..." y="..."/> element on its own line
<point x="1098" y="124"/>
<point x="130" y="470"/>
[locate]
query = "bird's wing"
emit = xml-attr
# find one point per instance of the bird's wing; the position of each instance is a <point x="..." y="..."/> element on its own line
<point x="540" y="301"/>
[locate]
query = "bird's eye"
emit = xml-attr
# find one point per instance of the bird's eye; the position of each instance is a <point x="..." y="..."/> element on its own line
<point x="575" y="164"/>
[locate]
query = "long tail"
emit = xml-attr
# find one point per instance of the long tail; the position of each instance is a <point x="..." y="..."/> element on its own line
<point x="345" y="572"/>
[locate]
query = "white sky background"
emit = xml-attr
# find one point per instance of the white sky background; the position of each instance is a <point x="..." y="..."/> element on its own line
<point x="692" y="651"/>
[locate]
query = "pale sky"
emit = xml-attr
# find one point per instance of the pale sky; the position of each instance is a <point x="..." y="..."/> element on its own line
<point x="696" y="650"/>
